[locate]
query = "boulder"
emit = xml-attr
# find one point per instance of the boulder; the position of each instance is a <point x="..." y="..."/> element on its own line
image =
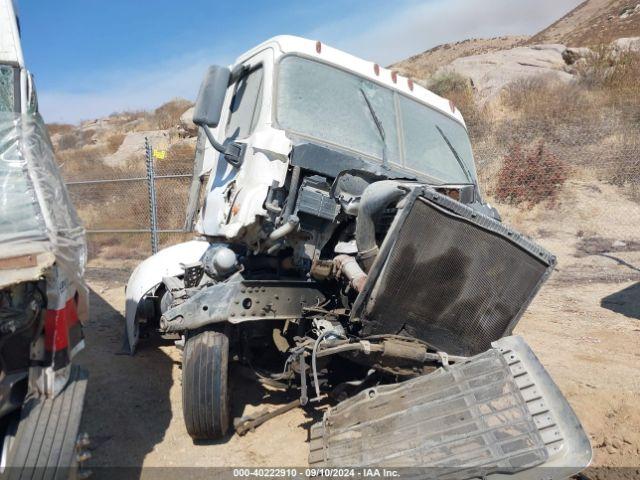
<point x="491" y="72"/>
<point x="133" y="146"/>
<point x="629" y="44"/>
<point x="186" y="123"/>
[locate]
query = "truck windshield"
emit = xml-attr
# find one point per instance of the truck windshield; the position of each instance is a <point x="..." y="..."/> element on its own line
<point x="339" y="108"/>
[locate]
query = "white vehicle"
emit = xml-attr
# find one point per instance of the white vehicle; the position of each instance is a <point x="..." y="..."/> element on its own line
<point x="43" y="298"/>
<point x="344" y="247"/>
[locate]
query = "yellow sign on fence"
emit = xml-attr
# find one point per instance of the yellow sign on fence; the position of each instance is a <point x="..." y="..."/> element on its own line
<point x="159" y="154"/>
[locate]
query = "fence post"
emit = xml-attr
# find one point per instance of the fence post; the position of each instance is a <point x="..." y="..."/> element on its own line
<point x="151" y="185"/>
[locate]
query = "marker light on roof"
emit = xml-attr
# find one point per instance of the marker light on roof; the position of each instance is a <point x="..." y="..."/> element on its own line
<point x="410" y="83"/>
<point x="376" y="69"/>
<point x="394" y="77"/>
<point x="318" y="46"/>
<point x="452" y="106"/>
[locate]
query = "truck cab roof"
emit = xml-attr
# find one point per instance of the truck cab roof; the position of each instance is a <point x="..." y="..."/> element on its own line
<point x="291" y="44"/>
<point x="10" y="48"/>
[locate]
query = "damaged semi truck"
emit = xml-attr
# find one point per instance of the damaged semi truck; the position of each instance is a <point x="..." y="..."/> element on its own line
<point x="43" y="298"/>
<point x="344" y="248"/>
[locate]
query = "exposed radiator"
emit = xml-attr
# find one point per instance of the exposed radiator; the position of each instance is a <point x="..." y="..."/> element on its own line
<point x="450" y="276"/>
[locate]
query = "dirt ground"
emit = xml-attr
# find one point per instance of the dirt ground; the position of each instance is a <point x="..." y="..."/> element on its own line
<point x="584" y="326"/>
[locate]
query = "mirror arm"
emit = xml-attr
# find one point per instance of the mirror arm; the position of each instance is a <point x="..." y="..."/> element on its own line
<point x="214" y="143"/>
<point x="232" y="153"/>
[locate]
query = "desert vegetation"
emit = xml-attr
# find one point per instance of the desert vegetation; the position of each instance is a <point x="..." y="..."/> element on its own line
<point x="541" y="131"/>
<point x="112" y="149"/>
<point x="530" y="177"/>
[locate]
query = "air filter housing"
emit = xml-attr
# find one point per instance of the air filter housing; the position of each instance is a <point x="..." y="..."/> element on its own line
<point x="450" y="276"/>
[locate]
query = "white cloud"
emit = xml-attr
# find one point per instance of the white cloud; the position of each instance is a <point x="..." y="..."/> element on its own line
<point x="420" y="25"/>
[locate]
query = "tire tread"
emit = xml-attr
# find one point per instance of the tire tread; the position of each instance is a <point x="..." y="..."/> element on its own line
<point x="205" y="401"/>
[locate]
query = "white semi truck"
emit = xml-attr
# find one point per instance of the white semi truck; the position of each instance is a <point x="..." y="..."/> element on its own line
<point x="43" y="298"/>
<point x="344" y="248"/>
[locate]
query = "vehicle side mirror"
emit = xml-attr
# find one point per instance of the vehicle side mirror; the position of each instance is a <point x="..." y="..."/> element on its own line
<point x="208" y="108"/>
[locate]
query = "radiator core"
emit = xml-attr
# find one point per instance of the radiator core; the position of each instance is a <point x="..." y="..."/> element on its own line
<point x="450" y="276"/>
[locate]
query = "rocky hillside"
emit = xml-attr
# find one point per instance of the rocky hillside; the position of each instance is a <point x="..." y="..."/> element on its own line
<point x="593" y="22"/>
<point x="492" y="63"/>
<point x="429" y="61"/>
<point x="116" y="144"/>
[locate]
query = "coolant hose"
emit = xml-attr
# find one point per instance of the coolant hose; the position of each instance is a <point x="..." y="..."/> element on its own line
<point x="374" y="198"/>
<point x="349" y="267"/>
<point x="285" y="229"/>
<point x="293" y="192"/>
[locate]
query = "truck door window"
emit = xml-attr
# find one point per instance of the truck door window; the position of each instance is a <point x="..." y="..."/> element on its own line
<point x="245" y="105"/>
<point x="8" y="92"/>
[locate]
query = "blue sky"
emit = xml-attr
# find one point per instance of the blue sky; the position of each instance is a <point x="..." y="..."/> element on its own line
<point x="91" y="57"/>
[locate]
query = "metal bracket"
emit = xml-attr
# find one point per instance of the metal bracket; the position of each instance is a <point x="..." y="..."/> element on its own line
<point x="258" y="300"/>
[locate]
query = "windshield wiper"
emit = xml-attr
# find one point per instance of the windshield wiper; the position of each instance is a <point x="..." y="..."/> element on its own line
<point x="379" y="126"/>
<point x="462" y="165"/>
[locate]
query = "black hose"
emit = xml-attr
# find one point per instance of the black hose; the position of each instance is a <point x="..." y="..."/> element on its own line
<point x="293" y="191"/>
<point x="375" y="198"/>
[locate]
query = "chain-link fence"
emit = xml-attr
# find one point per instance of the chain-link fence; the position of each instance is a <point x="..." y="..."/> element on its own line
<point x="131" y="211"/>
<point x="525" y="163"/>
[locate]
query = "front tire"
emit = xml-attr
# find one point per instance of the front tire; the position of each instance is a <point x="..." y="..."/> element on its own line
<point x="205" y="393"/>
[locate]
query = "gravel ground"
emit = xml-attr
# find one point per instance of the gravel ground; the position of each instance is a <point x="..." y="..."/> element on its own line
<point x="584" y="326"/>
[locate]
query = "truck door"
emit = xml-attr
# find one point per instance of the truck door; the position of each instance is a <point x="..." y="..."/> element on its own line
<point x="235" y="194"/>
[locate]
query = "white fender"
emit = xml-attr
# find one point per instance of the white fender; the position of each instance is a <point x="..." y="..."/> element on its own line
<point x="149" y="274"/>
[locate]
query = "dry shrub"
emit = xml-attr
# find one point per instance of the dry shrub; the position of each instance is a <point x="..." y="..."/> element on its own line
<point x="128" y="115"/>
<point x="459" y="90"/>
<point x="114" y="141"/>
<point x="181" y="157"/>
<point x="592" y="69"/>
<point x="624" y="74"/>
<point x="624" y="168"/>
<point x="68" y="141"/>
<point x="75" y="138"/>
<point x="530" y="176"/>
<point x="88" y="163"/>
<point x="610" y="68"/>
<point x="614" y="75"/>
<point x="59" y="128"/>
<point x="80" y="162"/>
<point x="183" y="149"/>
<point x="543" y="100"/>
<point x="118" y="246"/>
<point x="119" y="251"/>
<point x="567" y="115"/>
<point x="168" y="114"/>
<point x="446" y="83"/>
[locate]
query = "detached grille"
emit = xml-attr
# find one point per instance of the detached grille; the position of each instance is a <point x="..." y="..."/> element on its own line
<point x="454" y="278"/>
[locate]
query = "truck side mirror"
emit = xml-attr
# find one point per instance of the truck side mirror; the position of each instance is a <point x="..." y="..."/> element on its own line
<point x="208" y="108"/>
